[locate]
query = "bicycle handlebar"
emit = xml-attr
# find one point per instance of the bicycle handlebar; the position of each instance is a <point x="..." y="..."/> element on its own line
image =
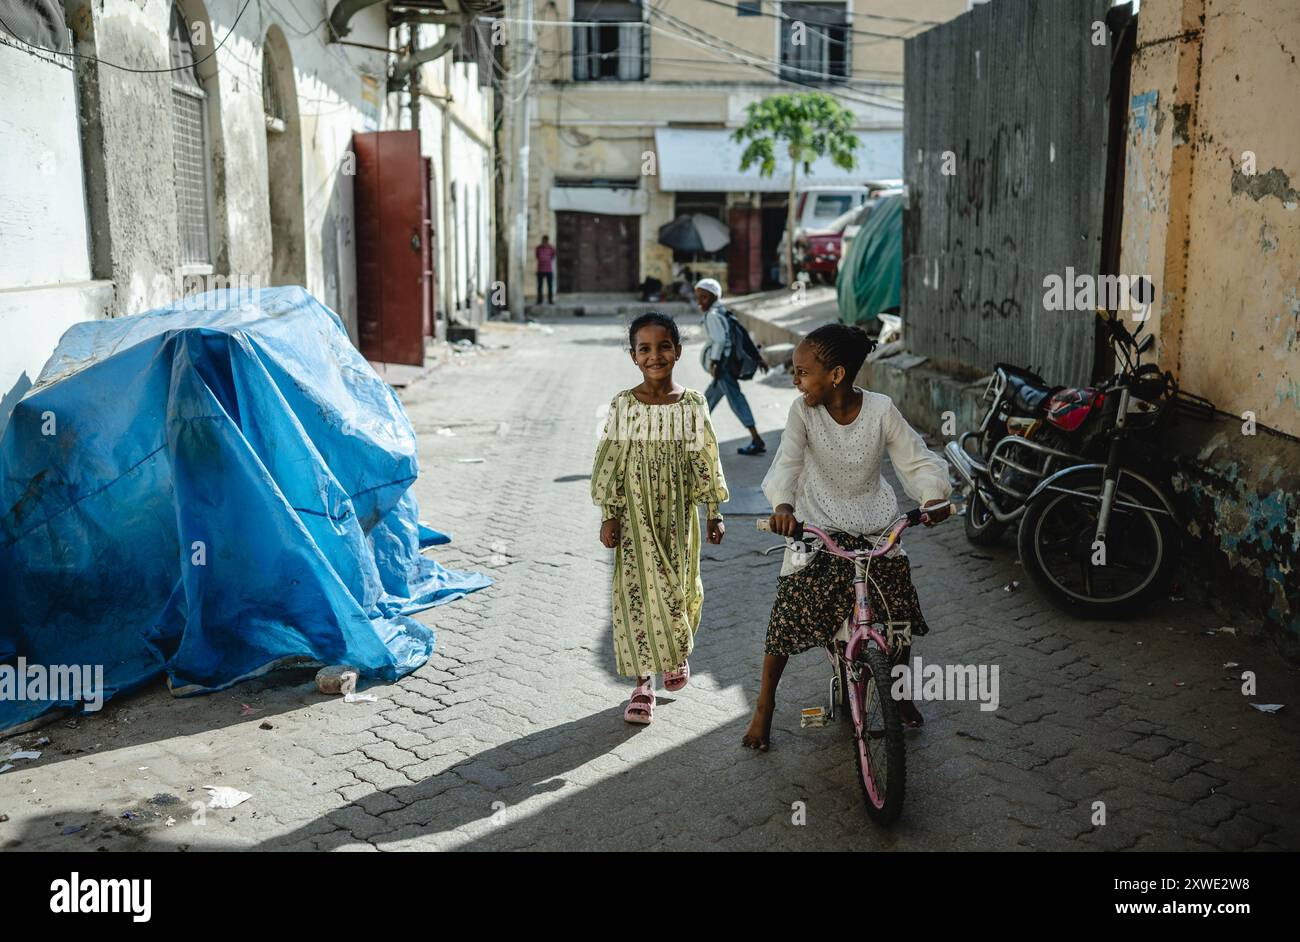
<point x="909" y="519"/>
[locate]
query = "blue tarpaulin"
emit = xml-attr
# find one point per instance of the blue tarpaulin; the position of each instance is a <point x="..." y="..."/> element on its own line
<point x="207" y="491"/>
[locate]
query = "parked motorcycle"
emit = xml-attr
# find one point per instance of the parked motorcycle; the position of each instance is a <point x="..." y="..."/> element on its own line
<point x="1082" y="472"/>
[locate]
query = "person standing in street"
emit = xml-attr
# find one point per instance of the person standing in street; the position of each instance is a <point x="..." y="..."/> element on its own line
<point x="546" y="270"/>
<point x="717" y="361"/>
<point x="657" y="461"/>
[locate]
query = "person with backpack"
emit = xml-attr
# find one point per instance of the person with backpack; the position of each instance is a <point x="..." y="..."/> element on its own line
<point x="729" y="356"/>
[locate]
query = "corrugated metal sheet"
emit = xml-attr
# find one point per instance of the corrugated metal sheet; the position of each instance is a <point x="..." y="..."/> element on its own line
<point x="1016" y="91"/>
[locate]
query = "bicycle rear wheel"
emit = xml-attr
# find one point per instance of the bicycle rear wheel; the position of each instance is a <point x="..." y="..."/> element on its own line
<point x="878" y="746"/>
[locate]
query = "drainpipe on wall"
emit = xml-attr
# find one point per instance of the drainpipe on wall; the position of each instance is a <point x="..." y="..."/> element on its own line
<point x="449" y="268"/>
<point x="1183" y="114"/>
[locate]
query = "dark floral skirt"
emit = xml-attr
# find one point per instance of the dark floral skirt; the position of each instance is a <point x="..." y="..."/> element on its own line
<point x="813" y="602"/>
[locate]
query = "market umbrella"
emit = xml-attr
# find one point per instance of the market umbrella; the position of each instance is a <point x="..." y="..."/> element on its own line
<point x="694" y="232"/>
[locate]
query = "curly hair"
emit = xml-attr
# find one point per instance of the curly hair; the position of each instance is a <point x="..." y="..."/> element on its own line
<point x="841" y="345"/>
<point x="657" y="318"/>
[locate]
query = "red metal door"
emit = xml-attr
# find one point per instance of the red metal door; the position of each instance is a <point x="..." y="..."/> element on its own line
<point x="393" y="278"/>
<point x="744" y="253"/>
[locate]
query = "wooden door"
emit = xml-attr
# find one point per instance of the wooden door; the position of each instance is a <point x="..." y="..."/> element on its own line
<point x="596" y="253"/>
<point x="394" y="289"/>
<point x="744" y="252"/>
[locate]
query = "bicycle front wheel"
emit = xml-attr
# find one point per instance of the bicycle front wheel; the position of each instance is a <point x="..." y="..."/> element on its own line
<point x="878" y="746"/>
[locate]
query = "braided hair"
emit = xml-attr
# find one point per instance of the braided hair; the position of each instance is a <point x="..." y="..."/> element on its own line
<point x="658" y="319"/>
<point x="841" y="345"/>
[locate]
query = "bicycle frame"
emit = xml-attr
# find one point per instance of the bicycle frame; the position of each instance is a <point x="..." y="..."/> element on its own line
<point x="863" y="629"/>
<point x="846" y="663"/>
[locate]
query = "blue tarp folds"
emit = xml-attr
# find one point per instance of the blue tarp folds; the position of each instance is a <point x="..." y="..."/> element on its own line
<point x="207" y="490"/>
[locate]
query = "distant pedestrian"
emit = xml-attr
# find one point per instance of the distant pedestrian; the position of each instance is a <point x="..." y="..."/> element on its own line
<point x="546" y="270"/>
<point x="717" y="359"/>
<point x="657" y="460"/>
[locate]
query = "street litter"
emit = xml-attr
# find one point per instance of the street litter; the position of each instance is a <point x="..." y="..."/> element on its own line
<point x="329" y="680"/>
<point x="266" y="725"/>
<point x="170" y="822"/>
<point x="316" y="530"/>
<point x="1179" y="683"/>
<point x="43" y="741"/>
<point x="73" y="828"/>
<point x="445" y="431"/>
<point x="471" y="460"/>
<point x="349" y="685"/>
<point x="812" y="716"/>
<point x="1227" y="664"/>
<point x="1268" y="707"/>
<point x="130" y="815"/>
<point x="23" y="754"/>
<point x="223" y="796"/>
<point x="1224" y="630"/>
<point x="246" y="710"/>
<point x="1011" y="586"/>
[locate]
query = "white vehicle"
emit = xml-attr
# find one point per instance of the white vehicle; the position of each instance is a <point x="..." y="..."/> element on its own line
<point x="859" y="219"/>
<point x="817" y="207"/>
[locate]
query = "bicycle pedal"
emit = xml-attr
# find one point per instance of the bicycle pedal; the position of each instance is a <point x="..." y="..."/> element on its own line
<point x="813" y="716"/>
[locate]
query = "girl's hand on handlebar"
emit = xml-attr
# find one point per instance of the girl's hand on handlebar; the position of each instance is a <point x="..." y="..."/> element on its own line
<point x="942" y="508"/>
<point x="609" y="531"/>
<point x="716" y="531"/>
<point x="783" y="522"/>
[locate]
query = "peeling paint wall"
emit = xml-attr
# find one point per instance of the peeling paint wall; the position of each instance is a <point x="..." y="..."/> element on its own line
<point x="123" y="122"/>
<point x="1211" y="215"/>
<point x="1212" y="212"/>
<point x="600" y="129"/>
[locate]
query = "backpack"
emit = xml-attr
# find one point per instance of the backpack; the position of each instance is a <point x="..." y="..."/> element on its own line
<point x="744" y="358"/>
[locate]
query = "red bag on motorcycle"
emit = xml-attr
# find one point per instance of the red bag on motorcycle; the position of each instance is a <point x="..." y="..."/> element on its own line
<point x="1069" y="407"/>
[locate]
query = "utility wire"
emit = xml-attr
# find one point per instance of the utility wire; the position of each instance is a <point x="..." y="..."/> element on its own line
<point x="127" y="68"/>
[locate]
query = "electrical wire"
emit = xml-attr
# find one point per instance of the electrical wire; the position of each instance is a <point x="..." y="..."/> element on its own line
<point x="127" y="68"/>
<point x="868" y="16"/>
<point x="746" y="59"/>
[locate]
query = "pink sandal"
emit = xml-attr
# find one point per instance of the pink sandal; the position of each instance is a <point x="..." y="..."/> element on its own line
<point x="676" y="680"/>
<point x="640" y="711"/>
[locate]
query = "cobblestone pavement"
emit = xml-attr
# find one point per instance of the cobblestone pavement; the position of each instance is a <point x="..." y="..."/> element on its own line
<point x="512" y="737"/>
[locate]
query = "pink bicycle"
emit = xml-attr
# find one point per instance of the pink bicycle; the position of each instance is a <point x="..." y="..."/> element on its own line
<point x="861" y="656"/>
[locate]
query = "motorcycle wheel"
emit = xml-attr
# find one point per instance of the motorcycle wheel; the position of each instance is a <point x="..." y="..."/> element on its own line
<point x="982" y="528"/>
<point x="1055" y="542"/>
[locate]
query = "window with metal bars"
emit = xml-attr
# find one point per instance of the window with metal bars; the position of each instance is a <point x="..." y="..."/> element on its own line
<point x="190" y="147"/>
<point x="615" y="46"/>
<point x="815" y="42"/>
<point x="272" y="104"/>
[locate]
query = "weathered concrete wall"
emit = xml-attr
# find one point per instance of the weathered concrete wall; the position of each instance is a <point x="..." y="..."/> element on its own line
<point x="603" y="129"/>
<point x="127" y="142"/>
<point x="1211" y="209"/>
<point x="1212" y="90"/>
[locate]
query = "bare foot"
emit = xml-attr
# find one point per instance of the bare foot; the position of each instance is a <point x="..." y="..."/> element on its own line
<point x="760" y="727"/>
<point x="910" y="715"/>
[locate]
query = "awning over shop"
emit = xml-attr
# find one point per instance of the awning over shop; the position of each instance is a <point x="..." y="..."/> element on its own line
<point x="707" y="159"/>
<point x="607" y="201"/>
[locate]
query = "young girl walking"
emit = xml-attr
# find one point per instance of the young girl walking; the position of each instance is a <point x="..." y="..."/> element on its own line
<point x="827" y="473"/>
<point x="657" y="459"/>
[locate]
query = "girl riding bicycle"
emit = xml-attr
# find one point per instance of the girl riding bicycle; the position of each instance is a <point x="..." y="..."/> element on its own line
<point x="828" y="472"/>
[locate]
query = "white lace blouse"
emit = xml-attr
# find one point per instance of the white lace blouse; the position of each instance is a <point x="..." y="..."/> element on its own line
<point x="830" y="473"/>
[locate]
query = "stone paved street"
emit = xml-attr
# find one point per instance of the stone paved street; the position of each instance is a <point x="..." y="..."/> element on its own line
<point x="511" y="737"/>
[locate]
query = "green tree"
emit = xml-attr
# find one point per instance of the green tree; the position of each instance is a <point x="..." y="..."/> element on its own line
<point x="807" y="125"/>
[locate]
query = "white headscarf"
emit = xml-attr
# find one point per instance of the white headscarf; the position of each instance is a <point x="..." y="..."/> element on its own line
<point x="710" y="285"/>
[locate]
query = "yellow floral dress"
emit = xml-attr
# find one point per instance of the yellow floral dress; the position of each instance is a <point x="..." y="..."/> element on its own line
<point x="655" y="463"/>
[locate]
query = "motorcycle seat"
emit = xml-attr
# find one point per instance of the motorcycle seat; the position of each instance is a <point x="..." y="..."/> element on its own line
<point x="1028" y="391"/>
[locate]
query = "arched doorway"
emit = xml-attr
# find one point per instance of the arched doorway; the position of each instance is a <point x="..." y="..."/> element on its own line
<point x="283" y="162"/>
